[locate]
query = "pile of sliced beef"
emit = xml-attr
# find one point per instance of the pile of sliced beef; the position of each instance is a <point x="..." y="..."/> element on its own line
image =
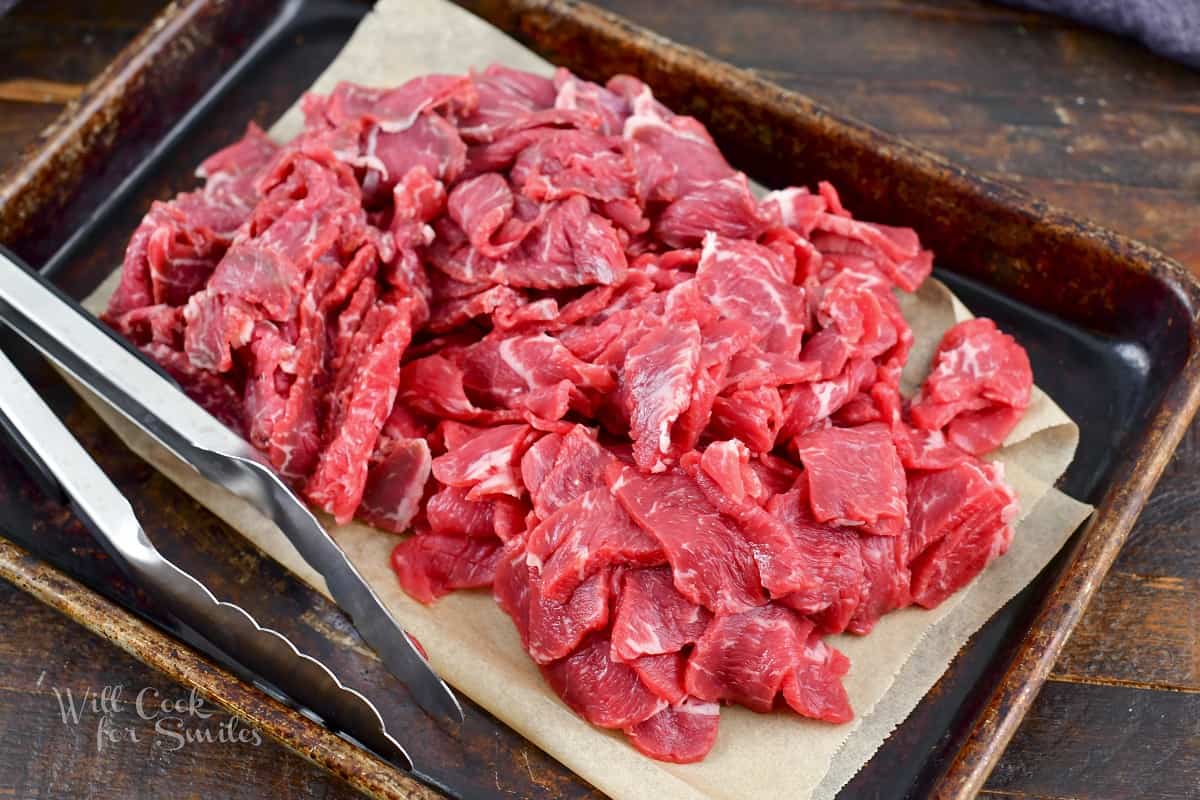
<point x="544" y="326"/>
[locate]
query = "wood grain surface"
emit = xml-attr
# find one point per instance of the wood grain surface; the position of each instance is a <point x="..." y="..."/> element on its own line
<point x="1087" y="121"/>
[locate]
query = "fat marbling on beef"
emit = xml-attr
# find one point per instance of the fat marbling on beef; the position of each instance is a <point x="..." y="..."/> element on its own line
<point x="542" y="326"/>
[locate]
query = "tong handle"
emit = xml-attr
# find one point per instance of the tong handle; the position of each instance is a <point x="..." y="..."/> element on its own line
<point x="24" y="451"/>
<point x="60" y="460"/>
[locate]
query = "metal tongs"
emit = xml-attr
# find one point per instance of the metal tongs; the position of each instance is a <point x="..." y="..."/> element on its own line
<point x="71" y="338"/>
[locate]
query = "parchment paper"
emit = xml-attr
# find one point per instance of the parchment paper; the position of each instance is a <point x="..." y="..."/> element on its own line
<point x="764" y="756"/>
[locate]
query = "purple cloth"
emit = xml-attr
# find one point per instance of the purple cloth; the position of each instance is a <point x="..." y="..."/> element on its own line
<point x="1170" y="28"/>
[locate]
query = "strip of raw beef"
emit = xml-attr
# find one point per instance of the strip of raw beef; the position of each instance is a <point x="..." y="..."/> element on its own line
<point x="578" y="467"/>
<point x="747" y="281"/>
<point x="483" y="208"/>
<point x="557" y="627"/>
<point x="434" y="385"/>
<point x="662" y="674"/>
<point x="448" y="511"/>
<point x="511" y="586"/>
<point x="829" y="351"/>
<point x="506" y="96"/>
<point x="431" y="565"/>
<point x="855" y="478"/>
<point x="895" y="252"/>
<point x="753" y="368"/>
<point x="721" y="340"/>
<point x="918" y="449"/>
<point x="807" y="405"/>
<point x="450" y="312"/>
<point x="394" y="109"/>
<point x="278" y="399"/>
<point x="266" y="276"/>
<point x="777" y="475"/>
<point x="978" y="388"/>
<point x="744" y="658"/>
<point x="510" y="518"/>
<point x="606" y="693"/>
<point x="886" y="580"/>
<point x="657" y="383"/>
<point x="814" y="687"/>
<point x="395" y="485"/>
<point x="795" y="207"/>
<point x="169" y="258"/>
<point x="652" y="618"/>
<point x="663" y="138"/>
<point x="534" y="372"/>
<point x="961" y="519"/>
<point x="682" y="733"/>
<point x="805" y="565"/>
<point x="161" y="324"/>
<point x="712" y="563"/>
<point x="387" y="152"/>
<point x="485" y="464"/>
<point x="583" y="536"/>
<point x="727" y="464"/>
<point x="451" y="435"/>
<point x="537" y="462"/>
<point x="573" y="93"/>
<point x="574" y="162"/>
<point x="230" y="173"/>
<point x="859" y="318"/>
<point x="823" y="566"/>
<point x="751" y="415"/>
<point x="723" y="207"/>
<point x="568" y="246"/>
<point x="339" y="478"/>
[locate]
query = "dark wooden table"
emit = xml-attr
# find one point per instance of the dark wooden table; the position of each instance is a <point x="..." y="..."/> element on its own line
<point x="1087" y="121"/>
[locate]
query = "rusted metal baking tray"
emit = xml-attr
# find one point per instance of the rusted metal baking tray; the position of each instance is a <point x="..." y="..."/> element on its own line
<point x="1110" y="326"/>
